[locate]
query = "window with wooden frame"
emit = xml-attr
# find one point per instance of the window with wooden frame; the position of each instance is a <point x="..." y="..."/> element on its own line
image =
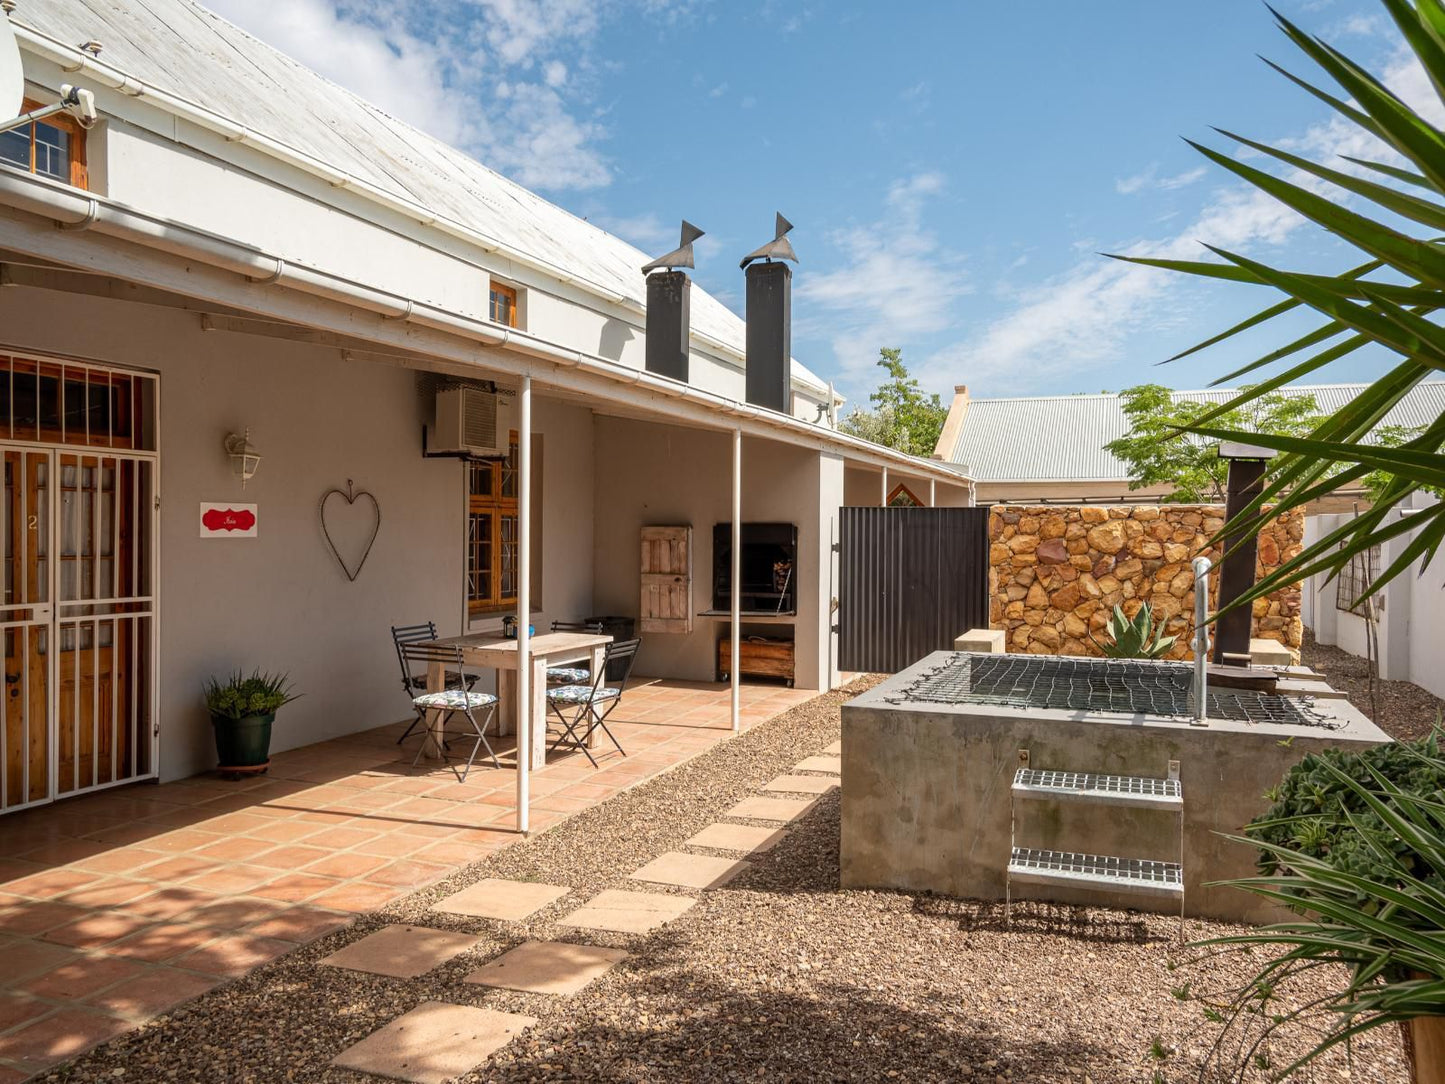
<point x="494" y="529"/>
<point x="503" y="307"/>
<point x="53" y="147"/>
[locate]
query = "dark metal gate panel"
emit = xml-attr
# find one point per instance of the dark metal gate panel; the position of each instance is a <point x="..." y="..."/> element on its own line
<point x="910" y="580"/>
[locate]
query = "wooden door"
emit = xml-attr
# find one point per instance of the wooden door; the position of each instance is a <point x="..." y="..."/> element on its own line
<point x="666" y="580"/>
<point x="26" y="619"/>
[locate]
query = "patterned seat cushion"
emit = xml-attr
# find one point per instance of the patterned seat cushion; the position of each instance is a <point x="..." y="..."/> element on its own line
<point x="581" y="694"/>
<point x="569" y="675"/>
<point x="454" y="700"/>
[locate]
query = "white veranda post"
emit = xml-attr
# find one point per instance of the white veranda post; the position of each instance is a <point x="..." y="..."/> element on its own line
<point x="525" y="722"/>
<point x="883" y="499"/>
<point x="736" y="576"/>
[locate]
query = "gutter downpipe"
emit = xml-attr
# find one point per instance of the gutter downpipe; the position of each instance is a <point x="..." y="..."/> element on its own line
<point x="1201" y="641"/>
<point x="61" y="205"/>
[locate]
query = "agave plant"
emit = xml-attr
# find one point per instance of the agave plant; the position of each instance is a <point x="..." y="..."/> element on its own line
<point x="1390" y="299"/>
<point x="1137" y="639"/>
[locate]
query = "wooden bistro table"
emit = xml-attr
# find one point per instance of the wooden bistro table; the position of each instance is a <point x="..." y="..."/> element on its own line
<point x="487" y="650"/>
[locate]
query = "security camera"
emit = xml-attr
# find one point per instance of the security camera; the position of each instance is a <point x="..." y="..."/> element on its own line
<point x="79" y="103"/>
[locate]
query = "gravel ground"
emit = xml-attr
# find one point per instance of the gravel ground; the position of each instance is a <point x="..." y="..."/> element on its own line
<point x="1401" y="709"/>
<point x="777" y="977"/>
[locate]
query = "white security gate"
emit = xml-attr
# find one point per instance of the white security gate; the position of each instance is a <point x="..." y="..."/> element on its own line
<point x="78" y="616"/>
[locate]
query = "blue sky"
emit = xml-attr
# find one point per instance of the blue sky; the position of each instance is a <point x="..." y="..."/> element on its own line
<point x="952" y="168"/>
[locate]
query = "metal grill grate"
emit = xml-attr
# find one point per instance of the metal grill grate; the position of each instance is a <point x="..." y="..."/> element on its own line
<point x="1130" y="687"/>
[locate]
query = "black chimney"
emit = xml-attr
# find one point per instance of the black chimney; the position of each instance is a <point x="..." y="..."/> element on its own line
<point x="769" y="335"/>
<point x="669" y="330"/>
<point x="668" y="324"/>
<point x="770" y="321"/>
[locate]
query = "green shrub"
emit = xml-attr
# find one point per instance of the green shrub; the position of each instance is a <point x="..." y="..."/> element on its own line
<point x="1317" y="813"/>
<point x="240" y="696"/>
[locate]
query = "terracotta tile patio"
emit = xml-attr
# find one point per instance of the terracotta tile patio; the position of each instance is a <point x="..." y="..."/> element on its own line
<point x="117" y="906"/>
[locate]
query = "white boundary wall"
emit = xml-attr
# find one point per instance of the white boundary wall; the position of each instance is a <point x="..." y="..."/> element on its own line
<point x="1411" y="631"/>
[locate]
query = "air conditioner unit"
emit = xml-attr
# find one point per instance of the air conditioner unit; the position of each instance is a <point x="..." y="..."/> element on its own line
<point x="472" y="423"/>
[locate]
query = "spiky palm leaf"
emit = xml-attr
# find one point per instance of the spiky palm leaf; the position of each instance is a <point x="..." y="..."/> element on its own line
<point x="1358" y="310"/>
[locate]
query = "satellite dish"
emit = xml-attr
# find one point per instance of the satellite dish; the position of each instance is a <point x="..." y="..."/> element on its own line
<point x="12" y="75"/>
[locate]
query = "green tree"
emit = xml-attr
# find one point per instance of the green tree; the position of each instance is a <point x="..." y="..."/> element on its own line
<point x="903" y="416"/>
<point x="1393" y="436"/>
<point x="1156" y="454"/>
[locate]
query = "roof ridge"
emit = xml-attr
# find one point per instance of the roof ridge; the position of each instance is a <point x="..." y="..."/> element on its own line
<point x="1079" y="396"/>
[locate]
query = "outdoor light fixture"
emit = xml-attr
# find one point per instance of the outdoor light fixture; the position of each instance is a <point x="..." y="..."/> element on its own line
<point x="244" y="457"/>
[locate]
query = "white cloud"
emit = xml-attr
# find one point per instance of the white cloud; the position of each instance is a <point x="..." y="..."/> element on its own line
<point x="1079" y="319"/>
<point x="441" y="65"/>
<point x="1150" y="178"/>
<point x="390" y="69"/>
<point x="647" y="232"/>
<point x="897" y="282"/>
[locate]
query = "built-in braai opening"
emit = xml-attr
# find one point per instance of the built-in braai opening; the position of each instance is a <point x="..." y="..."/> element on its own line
<point x="769" y="581"/>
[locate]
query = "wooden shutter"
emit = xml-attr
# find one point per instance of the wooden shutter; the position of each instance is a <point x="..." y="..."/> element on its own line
<point x="666" y="579"/>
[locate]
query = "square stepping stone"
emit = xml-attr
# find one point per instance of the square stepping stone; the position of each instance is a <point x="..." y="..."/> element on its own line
<point x="821" y="764"/>
<point x="547" y="967"/>
<point x="690" y="870"/>
<point x="836" y="749"/>
<point x="508" y="900"/>
<point x="737" y="837"/>
<point x="782" y="810"/>
<point x="403" y="952"/>
<point x="802" y="784"/>
<point x="434" y="1042"/>
<point x="620" y="911"/>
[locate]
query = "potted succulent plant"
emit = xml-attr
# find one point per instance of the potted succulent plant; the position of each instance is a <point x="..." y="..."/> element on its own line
<point x="242" y="711"/>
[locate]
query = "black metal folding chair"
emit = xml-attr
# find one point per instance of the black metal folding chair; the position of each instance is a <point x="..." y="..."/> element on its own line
<point x="584" y="708"/>
<point x="572" y="675"/>
<point x="456" y="698"/>
<point x="410" y="682"/>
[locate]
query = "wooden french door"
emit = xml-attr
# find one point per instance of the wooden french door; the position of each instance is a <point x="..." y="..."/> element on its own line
<point x="78" y="620"/>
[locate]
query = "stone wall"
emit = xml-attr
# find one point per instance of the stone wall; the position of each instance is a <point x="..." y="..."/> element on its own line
<point x="1057" y="571"/>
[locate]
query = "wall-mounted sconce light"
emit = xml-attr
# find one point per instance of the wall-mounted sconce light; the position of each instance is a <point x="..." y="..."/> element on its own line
<point x="244" y="457"/>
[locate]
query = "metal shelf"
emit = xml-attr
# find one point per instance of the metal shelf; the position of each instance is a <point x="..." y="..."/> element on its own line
<point x="1140" y="875"/>
<point x="1135" y="791"/>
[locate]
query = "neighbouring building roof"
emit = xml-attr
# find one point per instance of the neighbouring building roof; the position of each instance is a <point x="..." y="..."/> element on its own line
<point x="1061" y="438"/>
<point x="181" y="48"/>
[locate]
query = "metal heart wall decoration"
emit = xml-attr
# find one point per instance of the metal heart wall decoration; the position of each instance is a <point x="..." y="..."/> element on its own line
<point x="350" y="498"/>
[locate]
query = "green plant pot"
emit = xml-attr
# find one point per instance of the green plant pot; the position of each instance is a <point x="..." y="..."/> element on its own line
<point x="243" y="744"/>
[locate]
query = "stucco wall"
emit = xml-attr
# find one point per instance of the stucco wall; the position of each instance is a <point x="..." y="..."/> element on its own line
<point x="280" y="601"/>
<point x="658" y="475"/>
<point x="312" y="224"/>
<point x="1057" y="571"/>
<point x="1409" y="632"/>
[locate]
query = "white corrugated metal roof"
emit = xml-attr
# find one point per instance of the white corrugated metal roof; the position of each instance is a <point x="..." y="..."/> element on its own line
<point x="185" y="50"/>
<point x="1061" y="438"/>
